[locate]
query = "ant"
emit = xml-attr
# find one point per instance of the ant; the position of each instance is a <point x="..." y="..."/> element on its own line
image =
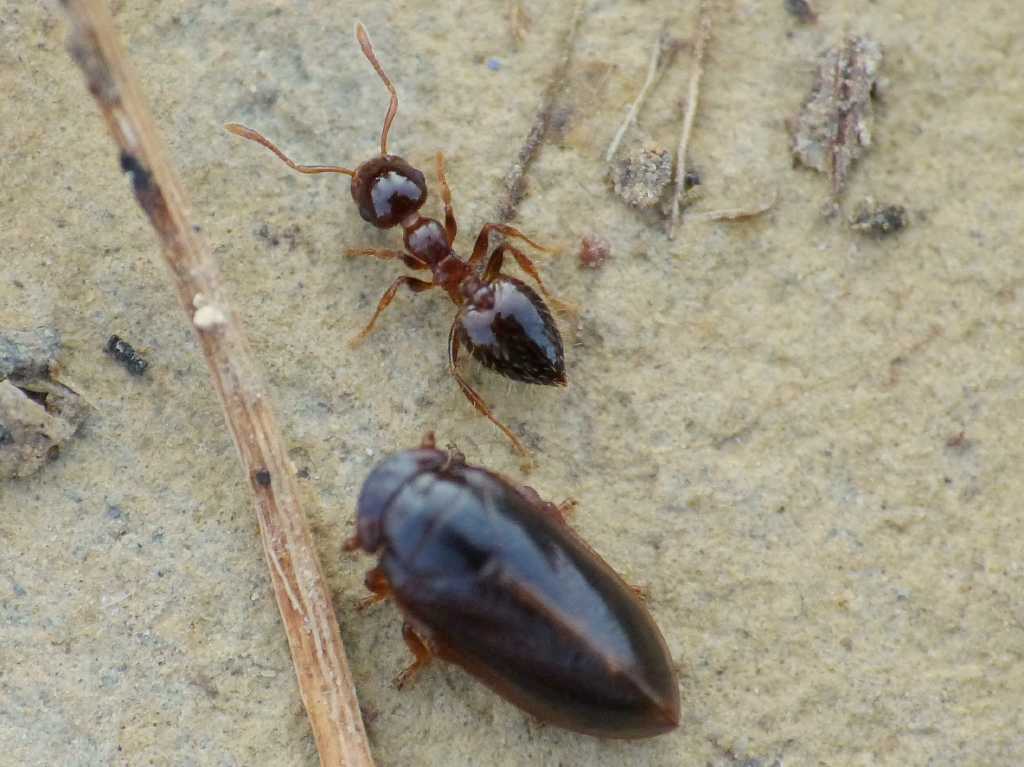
<point x="501" y="321"/>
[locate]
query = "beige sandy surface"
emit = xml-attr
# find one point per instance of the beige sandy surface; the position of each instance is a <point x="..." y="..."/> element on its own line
<point x="762" y="424"/>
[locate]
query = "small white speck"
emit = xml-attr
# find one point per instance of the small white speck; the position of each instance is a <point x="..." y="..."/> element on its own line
<point x="208" y="317"/>
<point x="369" y="451"/>
<point x="128" y="133"/>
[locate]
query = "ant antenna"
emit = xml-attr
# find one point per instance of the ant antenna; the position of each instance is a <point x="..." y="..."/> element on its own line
<point x="259" y="138"/>
<point x="367" y="46"/>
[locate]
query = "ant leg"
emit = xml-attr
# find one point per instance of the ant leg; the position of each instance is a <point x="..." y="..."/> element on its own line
<point x="259" y="138"/>
<point x="377" y="583"/>
<point x="387" y="255"/>
<point x="382" y="254"/>
<point x="474" y="397"/>
<point x="484" y="238"/>
<point x="421" y="654"/>
<point x="450" y="227"/>
<point x="494" y="268"/>
<point x="416" y="286"/>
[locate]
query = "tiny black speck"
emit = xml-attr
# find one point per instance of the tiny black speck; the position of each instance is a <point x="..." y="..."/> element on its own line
<point x="140" y="176"/>
<point x="125" y="353"/>
<point x="263" y="478"/>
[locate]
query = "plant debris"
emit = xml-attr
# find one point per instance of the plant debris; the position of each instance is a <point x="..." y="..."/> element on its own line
<point x="738" y="214"/>
<point x="833" y="128"/>
<point x="662" y="46"/>
<point x="641" y="177"/>
<point x="692" y="99"/>
<point x="38" y="414"/>
<point x="877" y="219"/>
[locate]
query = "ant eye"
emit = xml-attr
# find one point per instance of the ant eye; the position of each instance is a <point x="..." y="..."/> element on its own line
<point x="387" y="190"/>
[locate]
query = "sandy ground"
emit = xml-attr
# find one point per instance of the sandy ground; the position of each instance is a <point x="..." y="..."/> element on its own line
<point x="804" y="441"/>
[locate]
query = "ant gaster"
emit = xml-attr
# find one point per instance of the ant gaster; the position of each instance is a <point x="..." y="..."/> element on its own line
<point x="501" y="321"/>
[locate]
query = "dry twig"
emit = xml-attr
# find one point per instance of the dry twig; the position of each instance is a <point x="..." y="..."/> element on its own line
<point x="693" y="94"/>
<point x="653" y="70"/>
<point x="519" y="21"/>
<point x="515" y="179"/>
<point x="299" y="586"/>
<point x="736" y="214"/>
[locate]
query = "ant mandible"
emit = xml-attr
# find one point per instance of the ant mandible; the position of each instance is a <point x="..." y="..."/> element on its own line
<point x="501" y="321"/>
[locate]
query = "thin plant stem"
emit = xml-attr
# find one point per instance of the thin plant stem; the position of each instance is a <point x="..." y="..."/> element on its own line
<point x="303" y="597"/>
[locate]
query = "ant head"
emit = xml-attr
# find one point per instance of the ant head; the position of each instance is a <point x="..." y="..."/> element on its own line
<point x="387" y="190"/>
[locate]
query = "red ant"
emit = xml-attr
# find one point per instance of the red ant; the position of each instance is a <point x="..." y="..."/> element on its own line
<point x="501" y="321"/>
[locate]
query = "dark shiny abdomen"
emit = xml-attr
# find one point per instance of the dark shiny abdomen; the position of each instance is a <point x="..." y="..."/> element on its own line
<point x="517" y="337"/>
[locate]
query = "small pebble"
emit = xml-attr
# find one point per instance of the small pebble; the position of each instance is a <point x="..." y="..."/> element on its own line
<point x="640" y="178"/>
